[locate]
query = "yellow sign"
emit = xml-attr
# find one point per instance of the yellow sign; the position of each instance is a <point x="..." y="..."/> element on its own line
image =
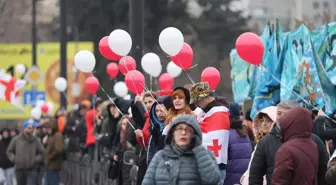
<point x="48" y="62"/>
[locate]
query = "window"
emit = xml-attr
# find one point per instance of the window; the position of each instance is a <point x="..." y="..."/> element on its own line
<point x="316" y="5"/>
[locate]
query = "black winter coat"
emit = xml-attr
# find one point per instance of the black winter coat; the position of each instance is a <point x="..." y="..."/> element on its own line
<point x="264" y="158"/>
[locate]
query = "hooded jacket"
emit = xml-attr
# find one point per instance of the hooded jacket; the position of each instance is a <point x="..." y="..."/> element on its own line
<point x="156" y="140"/>
<point x="296" y="161"/>
<point x="194" y="166"/>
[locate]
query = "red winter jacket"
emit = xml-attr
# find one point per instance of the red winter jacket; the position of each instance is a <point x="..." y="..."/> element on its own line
<point x="146" y="134"/>
<point x="296" y="161"/>
<point x="89" y="119"/>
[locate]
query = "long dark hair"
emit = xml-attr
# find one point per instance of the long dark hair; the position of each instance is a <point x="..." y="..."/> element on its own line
<point x="237" y="124"/>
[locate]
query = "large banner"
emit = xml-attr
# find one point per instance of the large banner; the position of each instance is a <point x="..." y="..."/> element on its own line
<point x="48" y="62"/>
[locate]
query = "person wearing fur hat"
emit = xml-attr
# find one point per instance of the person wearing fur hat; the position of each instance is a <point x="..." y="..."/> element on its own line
<point x="26" y="151"/>
<point x="215" y="123"/>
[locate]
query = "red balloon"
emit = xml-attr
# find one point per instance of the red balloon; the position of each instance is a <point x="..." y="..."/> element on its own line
<point x="135" y="81"/>
<point x="212" y="76"/>
<point x="250" y="48"/>
<point x="112" y="70"/>
<point x="127" y="64"/>
<point x="106" y="51"/>
<point x="44" y="108"/>
<point x="184" y="58"/>
<point x="165" y="92"/>
<point x="92" y="84"/>
<point x="166" y="81"/>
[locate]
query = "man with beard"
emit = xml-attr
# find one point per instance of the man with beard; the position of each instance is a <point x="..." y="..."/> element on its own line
<point x="26" y="152"/>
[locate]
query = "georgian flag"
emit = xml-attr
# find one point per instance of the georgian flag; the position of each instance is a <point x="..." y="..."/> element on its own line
<point x="215" y="126"/>
<point x="9" y="88"/>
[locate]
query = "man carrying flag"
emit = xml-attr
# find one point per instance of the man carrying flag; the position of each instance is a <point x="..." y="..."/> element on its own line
<point x="214" y="122"/>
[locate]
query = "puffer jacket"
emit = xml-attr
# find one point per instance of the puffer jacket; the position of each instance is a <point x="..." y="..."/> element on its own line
<point x="195" y="166"/>
<point x="296" y="161"/>
<point x="239" y="154"/>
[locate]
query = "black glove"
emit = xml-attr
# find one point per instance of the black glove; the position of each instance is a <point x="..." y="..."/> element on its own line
<point x="197" y="141"/>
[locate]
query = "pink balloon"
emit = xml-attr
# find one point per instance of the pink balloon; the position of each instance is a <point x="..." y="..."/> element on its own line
<point x="250" y="48"/>
<point x="212" y="76"/>
<point x="184" y="58"/>
<point x="166" y="81"/>
<point x="112" y="70"/>
<point x="92" y="84"/>
<point x="44" y="108"/>
<point x="135" y="81"/>
<point x="106" y="51"/>
<point x="127" y="64"/>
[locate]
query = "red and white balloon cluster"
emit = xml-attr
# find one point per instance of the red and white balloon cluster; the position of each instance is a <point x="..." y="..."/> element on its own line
<point x="117" y="46"/>
<point x="41" y="107"/>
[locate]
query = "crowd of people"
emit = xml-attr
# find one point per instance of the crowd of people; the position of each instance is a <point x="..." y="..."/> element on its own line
<point x="187" y="137"/>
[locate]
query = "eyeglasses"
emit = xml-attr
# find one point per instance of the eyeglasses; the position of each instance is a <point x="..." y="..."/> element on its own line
<point x="184" y="130"/>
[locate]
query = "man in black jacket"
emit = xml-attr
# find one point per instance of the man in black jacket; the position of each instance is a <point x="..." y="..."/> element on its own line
<point x="264" y="156"/>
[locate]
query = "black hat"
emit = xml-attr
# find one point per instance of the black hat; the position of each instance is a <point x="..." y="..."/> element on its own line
<point x="186" y="93"/>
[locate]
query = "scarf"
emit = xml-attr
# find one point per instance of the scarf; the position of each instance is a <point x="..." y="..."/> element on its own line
<point x="180" y="150"/>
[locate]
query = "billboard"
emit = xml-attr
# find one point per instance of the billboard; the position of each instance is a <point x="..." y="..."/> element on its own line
<point x="48" y="62"/>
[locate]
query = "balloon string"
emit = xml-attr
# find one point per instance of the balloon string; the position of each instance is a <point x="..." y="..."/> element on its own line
<point x="109" y="97"/>
<point x="188" y="75"/>
<point x="293" y="92"/>
<point x="146" y="88"/>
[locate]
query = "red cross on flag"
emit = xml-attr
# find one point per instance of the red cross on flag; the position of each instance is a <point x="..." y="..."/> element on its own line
<point x="9" y="89"/>
<point x="215" y="126"/>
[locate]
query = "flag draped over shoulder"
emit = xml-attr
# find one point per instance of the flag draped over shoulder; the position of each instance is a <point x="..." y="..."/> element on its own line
<point x="215" y="126"/>
<point x="9" y="89"/>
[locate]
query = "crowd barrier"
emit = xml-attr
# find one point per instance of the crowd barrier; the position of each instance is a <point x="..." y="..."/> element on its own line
<point x="81" y="170"/>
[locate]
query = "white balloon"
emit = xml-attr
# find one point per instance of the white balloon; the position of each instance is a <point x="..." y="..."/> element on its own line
<point x="120" y="89"/>
<point x="173" y="69"/>
<point x="20" y="69"/>
<point x="171" y="41"/>
<point x="85" y="61"/>
<point x="151" y="64"/>
<point x="61" y="84"/>
<point x="36" y="113"/>
<point x="120" y="42"/>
